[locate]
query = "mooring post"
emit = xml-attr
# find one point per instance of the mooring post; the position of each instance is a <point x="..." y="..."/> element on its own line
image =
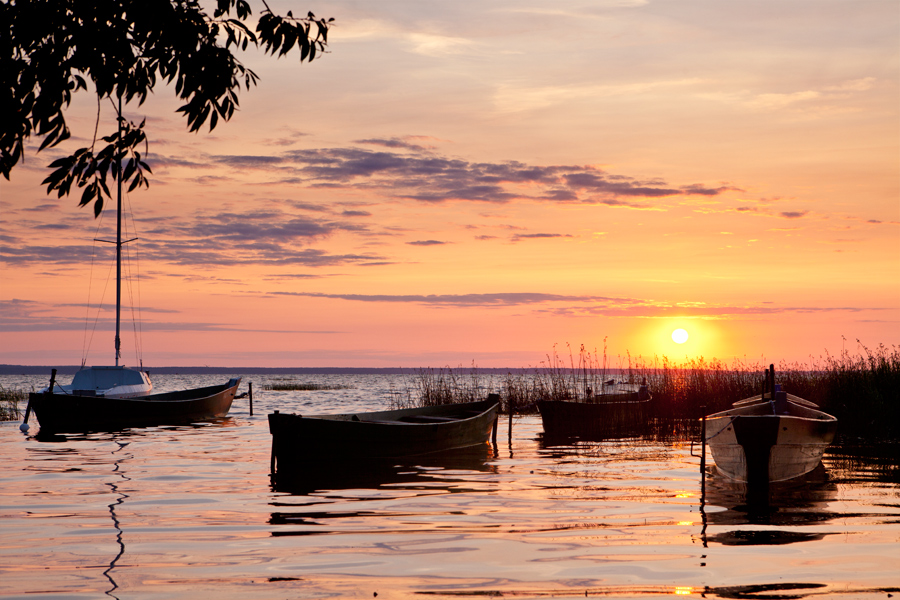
<point x="703" y="453"/>
<point x="272" y="457"/>
<point x="495" y="398"/>
<point x="250" y="393"/>
<point x="510" y="408"/>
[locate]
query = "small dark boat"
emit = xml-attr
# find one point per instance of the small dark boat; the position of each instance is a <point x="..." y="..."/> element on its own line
<point x="620" y="409"/>
<point x="300" y="441"/>
<point x="772" y="437"/>
<point x="71" y="413"/>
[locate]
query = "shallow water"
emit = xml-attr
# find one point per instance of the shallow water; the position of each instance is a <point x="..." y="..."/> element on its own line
<point x="179" y="512"/>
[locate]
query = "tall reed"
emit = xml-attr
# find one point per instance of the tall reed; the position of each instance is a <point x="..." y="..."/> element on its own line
<point x="446" y="386"/>
<point x="12" y="403"/>
<point x="862" y="390"/>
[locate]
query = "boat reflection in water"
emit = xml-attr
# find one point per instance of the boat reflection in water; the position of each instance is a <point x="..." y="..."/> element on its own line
<point x="133" y="433"/>
<point x="802" y="501"/>
<point x="432" y="470"/>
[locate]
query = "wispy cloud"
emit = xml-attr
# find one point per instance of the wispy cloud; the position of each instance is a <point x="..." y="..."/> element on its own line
<point x="272" y="238"/>
<point x="406" y="142"/>
<point x="427" y="243"/>
<point x="416" y="173"/>
<point x="537" y="236"/>
<point x="501" y="299"/>
<point x="586" y="305"/>
<point x="27" y="315"/>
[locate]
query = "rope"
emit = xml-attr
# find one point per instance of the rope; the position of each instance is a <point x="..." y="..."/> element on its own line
<point x="727" y="425"/>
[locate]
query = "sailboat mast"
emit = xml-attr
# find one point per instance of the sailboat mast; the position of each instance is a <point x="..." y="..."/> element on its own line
<point x="119" y="232"/>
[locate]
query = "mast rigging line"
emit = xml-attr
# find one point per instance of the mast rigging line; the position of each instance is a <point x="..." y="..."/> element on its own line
<point x="119" y="243"/>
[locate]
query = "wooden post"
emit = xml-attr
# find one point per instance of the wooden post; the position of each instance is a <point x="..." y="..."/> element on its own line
<point x="703" y="454"/>
<point x="510" y="408"/>
<point x="495" y="398"/>
<point x="272" y="458"/>
<point x="250" y="393"/>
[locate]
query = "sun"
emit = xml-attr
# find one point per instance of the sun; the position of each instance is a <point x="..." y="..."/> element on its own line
<point x="679" y="336"/>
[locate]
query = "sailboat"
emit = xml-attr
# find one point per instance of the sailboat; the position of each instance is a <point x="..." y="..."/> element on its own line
<point x="102" y="398"/>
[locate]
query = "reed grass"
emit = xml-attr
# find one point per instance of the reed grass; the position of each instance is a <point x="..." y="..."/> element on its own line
<point x="12" y="404"/>
<point x="296" y="386"/>
<point x="862" y="390"/>
<point x="446" y="386"/>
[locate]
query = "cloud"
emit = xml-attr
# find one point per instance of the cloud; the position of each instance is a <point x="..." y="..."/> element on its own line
<point x="427" y="243"/>
<point x="792" y="214"/>
<point x="407" y="170"/>
<point x="585" y="305"/>
<point x="533" y="236"/>
<point x="60" y="255"/>
<point x="284" y="231"/>
<point x="813" y="101"/>
<point x="272" y="238"/>
<point x="398" y="142"/>
<point x="429" y="44"/>
<point x="27" y="315"/>
<point x="697" y="189"/>
<point x="502" y="299"/>
<point x="248" y="161"/>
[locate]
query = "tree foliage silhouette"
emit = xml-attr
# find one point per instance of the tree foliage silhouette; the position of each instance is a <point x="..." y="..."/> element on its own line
<point x="123" y="49"/>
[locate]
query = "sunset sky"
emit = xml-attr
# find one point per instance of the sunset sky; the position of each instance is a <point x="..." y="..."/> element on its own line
<point x="478" y="182"/>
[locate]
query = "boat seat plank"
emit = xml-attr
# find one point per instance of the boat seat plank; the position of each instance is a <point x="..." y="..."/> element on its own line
<point x="428" y="419"/>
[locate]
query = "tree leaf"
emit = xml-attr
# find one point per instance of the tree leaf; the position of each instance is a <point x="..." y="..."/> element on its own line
<point x="56" y="48"/>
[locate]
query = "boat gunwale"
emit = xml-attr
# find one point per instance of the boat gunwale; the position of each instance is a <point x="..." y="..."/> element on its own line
<point x="595" y="403"/>
<point x="403" y="412"/>
<point x="733" y="412"/>
<point x="190" y="395"/>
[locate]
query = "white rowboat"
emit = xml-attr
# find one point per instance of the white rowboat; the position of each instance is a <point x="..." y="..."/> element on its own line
<point x="768" y="438"/>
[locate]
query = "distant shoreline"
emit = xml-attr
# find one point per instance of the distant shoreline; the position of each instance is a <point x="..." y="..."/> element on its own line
<point x="72" y="369"/>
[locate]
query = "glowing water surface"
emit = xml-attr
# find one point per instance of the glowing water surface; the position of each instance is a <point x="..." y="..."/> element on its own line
<point x="187" y="512"/>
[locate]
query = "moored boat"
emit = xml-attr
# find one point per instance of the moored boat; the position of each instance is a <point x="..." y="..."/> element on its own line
<point x="771" y="437"/>
<point x="73" y="412"/>
<point x="619" y="409"/>
<point x="299" y="441"/>
<point x="102" y="398"/>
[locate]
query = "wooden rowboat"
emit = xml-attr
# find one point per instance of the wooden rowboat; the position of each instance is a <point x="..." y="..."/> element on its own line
<point x="70" y="413"/>
<point x="299" y="441"/>
<point x="620" y="409"/>
<point x="774" y="436"/>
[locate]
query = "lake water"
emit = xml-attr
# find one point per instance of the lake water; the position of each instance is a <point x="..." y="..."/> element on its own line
<point x="188" y="512"/>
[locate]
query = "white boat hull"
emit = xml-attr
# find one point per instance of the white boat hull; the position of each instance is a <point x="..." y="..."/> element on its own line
<point x="751" y="441"/>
